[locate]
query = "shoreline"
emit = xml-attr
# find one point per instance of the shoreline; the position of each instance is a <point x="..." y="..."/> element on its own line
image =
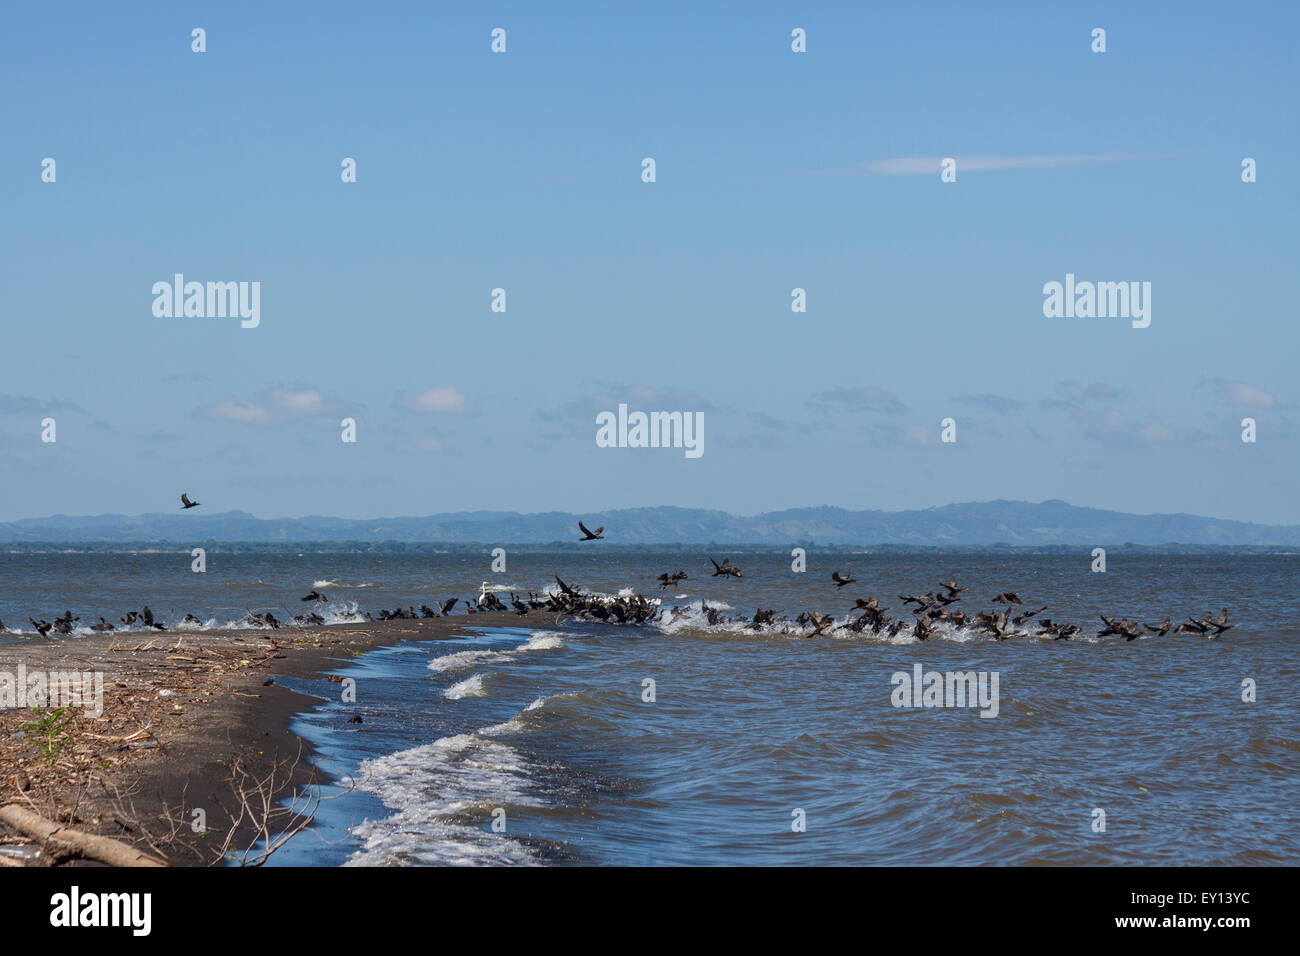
<point x="225" y="711"/>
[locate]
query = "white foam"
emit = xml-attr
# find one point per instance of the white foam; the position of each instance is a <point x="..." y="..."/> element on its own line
<point x="542" y="641"/>
<point x="469" y="687"/>
<point x="207" y="625"/>
<point x="516" y="723"/>
<point x="459" y="660"/>
<point x="342" y="612"/>
<point x="410" y="838"/>
<point x="465" y="775"/>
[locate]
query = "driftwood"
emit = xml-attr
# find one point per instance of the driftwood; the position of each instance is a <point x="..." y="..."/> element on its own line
<point x="63" y="843"/>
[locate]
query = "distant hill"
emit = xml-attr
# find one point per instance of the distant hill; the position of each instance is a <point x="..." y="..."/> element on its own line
<point x="1013" y="523"/>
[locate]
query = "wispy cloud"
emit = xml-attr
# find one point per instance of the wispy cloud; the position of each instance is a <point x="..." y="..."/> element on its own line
<point x="1245" y="395"/>
<point x="1074" y="394"/>
<point x="920" y="435"/>
<point x="30" y="405"/>
<point x="273" y="406"/>
<point x="438" y="400"/>
<point x="234" y="410"/>
<point x="867" y="398"/>
<point x="1000" y="404"/>
<point x="1110" y="428"/>
<point x="607" y="397"/>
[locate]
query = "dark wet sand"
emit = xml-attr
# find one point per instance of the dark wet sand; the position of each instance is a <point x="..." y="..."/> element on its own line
<point x="223" y="710"/>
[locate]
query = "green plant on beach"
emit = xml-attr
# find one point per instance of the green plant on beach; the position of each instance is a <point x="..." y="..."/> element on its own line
<point x="49" y="729"/>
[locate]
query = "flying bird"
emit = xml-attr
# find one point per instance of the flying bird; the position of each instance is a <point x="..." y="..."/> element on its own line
<point x="725" y="569"/>
<point x="1221" y="624"/>
<point x="1026" y="615"/>
<point x="590" y="535"/>
<point x="842" y="579"/>
<point x="819" y="623"/>
<point x="186" y="503"/>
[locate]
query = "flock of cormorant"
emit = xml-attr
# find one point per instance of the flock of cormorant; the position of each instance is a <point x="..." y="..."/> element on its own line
<point x="931" y="611"/>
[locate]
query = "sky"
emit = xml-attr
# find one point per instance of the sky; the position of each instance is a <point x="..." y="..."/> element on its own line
<point x="522" y="170"/>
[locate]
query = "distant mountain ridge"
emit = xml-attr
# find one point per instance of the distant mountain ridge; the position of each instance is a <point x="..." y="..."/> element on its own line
<point x="1015" y="523"/>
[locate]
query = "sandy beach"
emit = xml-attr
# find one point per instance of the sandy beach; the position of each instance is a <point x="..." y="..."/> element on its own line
<point x="185" y="713"/>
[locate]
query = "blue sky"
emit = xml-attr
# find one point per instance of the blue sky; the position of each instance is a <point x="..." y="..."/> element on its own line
<point x="523" y="171"/>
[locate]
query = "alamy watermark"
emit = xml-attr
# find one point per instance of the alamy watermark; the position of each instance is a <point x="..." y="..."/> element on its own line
<point x="651" y="430"/>
<point x="1101" y="300"/>
<point x="27" y="689"/>
<point x="951" y="689"/>
<point x="212" y="300"/>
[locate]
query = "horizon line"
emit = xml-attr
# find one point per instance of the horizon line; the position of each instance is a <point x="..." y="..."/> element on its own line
<point x="606" y="511"/>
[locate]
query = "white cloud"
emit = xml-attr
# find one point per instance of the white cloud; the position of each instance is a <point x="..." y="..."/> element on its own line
<point x="920" y="435"/>
<point x="275" y="405"/>
<point x="1239" y="393"/>
<point x="870" y="398"/>
<point x="305" y="401"/>
<point x="233" y="410"/>
<point x="441" y="399"/>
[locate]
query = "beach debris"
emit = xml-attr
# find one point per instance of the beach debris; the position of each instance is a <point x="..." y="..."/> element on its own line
<point x="64" y="843"/>
<point x="22" y="855"/>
